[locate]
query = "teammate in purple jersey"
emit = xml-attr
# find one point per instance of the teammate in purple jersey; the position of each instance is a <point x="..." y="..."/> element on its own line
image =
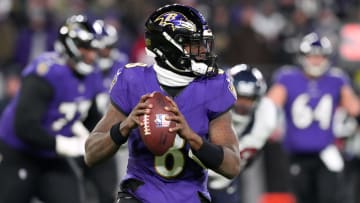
<point x="41" y="130"/>
<point x="309" y="97"/>
<point x="105" y="176"/>
<point x="109" y="61"/>
<point x="201" y="97"/>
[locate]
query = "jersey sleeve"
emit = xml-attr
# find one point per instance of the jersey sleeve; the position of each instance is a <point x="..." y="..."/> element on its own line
<point x="265" y="122"/>
<point x="222" y="96"/>
<point x="119" y="91"/>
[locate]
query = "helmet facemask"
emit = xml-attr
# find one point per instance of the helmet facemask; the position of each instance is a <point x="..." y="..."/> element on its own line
<point x="198" y="52"/>
<point x="314" y="70"/>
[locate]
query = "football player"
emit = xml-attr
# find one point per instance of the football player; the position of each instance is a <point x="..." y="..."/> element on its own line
<point x="309" y="96"/>
<point x="106" y="176"/>
<point x="41" y="130"/>
<point x="109" y="61"/>
<point x="179" y="38"/>
<point x="254" y="119"/>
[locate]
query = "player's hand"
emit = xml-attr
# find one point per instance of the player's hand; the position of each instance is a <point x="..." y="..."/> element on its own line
<point x="182" y="127"/>
<point x="73" y="146"/>
<point x="70" y="146"/>
<point x="79" y="129"/>
<point x="247" y="154"/>
<point x="132" y="121"/>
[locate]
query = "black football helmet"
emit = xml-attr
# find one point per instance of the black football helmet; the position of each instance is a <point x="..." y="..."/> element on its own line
<point x="249" y="83"/>
<point x="78" y="32"/>
<point x="172" y="28"/>
<point x="314" y="44"/>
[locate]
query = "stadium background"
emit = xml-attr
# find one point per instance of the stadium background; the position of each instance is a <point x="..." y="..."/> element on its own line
<point x="264" y="33"/>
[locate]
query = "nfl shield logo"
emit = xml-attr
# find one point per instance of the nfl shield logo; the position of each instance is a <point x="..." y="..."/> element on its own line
<point x="161" y="122"/>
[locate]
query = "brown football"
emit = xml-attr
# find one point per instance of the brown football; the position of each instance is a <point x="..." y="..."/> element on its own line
<point x="155" y="131"/>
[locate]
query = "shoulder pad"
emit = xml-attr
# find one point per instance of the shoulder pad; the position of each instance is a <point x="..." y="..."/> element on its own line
<point x="336" y="71"/>
<point x="287" y="69"/>
<point x="45" y="62"/>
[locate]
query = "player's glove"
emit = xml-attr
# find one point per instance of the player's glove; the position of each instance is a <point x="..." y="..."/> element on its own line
<point x="247" y="156"/>
<point x="72" y="146"/>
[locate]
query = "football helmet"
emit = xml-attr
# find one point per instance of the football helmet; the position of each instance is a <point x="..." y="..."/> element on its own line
<point x="314" y="44"/>
<point x="179" y="38"/>
<point x="108" y="40"/>
<point x="78" y="32"/>
<point x="109" y="34"/>
<point x="250" y="86"/>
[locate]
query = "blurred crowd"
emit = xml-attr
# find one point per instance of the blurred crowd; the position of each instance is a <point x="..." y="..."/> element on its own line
<point x="264" y="33"/>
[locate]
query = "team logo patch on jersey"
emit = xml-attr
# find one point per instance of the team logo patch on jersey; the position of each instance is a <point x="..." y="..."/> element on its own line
<point x="161" y="122"/>
<point x="114" y="80"/>
<point x="42" y="69"/>
<point x="232" y="88"/>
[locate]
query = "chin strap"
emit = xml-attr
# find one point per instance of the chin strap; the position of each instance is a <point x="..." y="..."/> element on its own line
<point x="199" y="68"/>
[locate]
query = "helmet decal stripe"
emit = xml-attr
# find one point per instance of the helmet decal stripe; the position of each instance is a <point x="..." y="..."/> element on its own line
<point x="172" y="41"/>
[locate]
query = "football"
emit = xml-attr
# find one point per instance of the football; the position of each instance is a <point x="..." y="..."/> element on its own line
<point x="155" y="131"/>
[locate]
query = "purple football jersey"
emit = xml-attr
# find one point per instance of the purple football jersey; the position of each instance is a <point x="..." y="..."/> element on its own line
<point x="71" y="101"/>
<point x="310" y="107"/>
<point x="109" y="74"/>
<point x="103" y="99"/>
<point x="174" y="176"/>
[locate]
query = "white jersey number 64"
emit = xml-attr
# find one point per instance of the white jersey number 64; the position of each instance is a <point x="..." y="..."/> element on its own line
<point x="303" y="115"/>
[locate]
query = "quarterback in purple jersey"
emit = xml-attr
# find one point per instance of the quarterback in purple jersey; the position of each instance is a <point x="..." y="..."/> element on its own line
<point x="41" y="130"/>
<point x="201" y="97"/>
<point x="309" y="97"/>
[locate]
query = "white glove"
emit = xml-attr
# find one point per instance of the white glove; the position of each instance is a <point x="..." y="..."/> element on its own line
<point x="332" y="158"/>
<point x="70" y="146"/>
<point x="73" y="146"/>
<point x="78" y="129"/>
